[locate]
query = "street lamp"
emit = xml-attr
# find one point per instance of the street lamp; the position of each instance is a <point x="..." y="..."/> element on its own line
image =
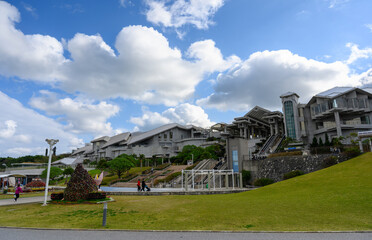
<point x="51" y="143"/>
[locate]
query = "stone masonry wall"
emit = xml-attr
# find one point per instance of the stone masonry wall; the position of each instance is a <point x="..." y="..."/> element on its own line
<point x="274" y="168"/>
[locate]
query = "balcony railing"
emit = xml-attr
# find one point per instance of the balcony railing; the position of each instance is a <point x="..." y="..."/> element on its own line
<point x="341" y="103"/>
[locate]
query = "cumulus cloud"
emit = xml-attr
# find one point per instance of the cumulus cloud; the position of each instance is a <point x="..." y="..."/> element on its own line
<point x="35" y="57"/>
<point x="9" y="129"/>
<point x="185" y="114"/>
<point x="81" y="117"/>
<point x="30" y="129"/>
<point x="264" y="76"/>
<point x="143" y="68"/>
<point x="181" y="12"/>
<point x="357" y="53"/>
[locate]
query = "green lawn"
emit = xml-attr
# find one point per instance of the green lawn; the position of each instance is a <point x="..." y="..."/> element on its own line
<point x="338" y="198"/>
<point x="23" y="195"/>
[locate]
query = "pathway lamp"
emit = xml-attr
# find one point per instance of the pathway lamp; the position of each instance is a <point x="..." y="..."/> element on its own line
<point x="51" y="143"/>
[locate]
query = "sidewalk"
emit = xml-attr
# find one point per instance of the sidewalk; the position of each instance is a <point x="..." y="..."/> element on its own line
<point x="25" y="200"/>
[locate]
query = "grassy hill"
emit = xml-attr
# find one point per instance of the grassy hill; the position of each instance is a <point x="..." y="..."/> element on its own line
<point x="338" y="198"/>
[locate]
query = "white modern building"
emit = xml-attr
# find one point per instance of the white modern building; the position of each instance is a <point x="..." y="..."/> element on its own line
<point x="336" y="112"/>
<point x="165" y="141"/>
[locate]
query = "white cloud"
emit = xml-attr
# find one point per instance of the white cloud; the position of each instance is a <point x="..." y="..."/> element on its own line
<point x="146" y="69"/>
<point x="35" y="57"/>
<point x="357" y="53"/>
<point x="181" y="12"/>
<point x="143" y="68"/>
<point x="185" y="114"/>
<point x="9" y="129"/>
<point x="81" y="117"/>
<point x="336" y="3"/>
<point x="262" y="78"/>
<point x="369" y="26"/>
<point x="31" y="131"/>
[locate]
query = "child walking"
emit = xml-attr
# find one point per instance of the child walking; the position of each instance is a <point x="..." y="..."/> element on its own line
<point x="17" y="191"/>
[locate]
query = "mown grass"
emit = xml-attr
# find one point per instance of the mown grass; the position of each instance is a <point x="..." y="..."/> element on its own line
<point x="23" y="195"/>
<point x="333" y="199"/>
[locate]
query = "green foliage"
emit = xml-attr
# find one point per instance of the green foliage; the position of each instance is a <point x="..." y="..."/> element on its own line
<point x="188" y="152"/>
<point x="329" y="161"/>
<point x="327" y="142"/>
<point x="282" y="154"/>
<point x="102" y="165"/>
<point x="320" y="142"/>
<point x="122" y="164"/>
<point x="315" y="142"/>
<point x="246" y="177"/>
<point x="96" y="195"/>
<point x="68" y="171"/>
<point x="56" y="196"/>
<point x="293" y="174"/>
<point x="352" y="152"/>
<point x="263" y="182"/>
<point x="168" y="178"/>
<point x="54" y="173"/>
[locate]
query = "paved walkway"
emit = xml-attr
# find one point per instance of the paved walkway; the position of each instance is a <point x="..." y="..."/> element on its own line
<point x="22" y="200"/>
<point x="30" y="234"/>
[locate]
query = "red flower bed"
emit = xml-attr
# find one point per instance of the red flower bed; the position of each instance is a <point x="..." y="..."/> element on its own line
<point x="36" y="183"/>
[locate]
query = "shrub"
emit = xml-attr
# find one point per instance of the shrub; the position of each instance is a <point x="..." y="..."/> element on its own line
<point x="35" y="184"/>
<point x="125" y="179"/>
<point x="246" y="177"/>
<point x="329" y="161"/>
<point x="80" y="185"/>
<point x="56" y="196"/>
<point x="161" y="167"/>
<point x="263" y="182"/>
<point x="293" y="174"/>
<point x="147" y="171"/>
<point x="282" y="154"/>
<point x="5" y="191"/>
<point x="96" y="195"/>
<point x="168" y="178"/>
<point x="192" y="166"/>
<point x="352" y="152"/>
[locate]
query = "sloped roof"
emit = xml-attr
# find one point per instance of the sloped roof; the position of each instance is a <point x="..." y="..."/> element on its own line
<point x="65" y="161"/>
<point x="287" y="94"/>
<point x="104" y="138"/>
<point x="333" y="92"/>
<point x="85" y="149"/>
<point x="156" y="131"/>
<point x="116" y="139"/>
<point x="258" y="113"/>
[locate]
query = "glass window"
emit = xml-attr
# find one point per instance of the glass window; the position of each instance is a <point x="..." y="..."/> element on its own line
<point x="165" y="136"/>
<point x="289" y="119"/>
<point x="235" y="160"/>
<point x="170" y="135"/>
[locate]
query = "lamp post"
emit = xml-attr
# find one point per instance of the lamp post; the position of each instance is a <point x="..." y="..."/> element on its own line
<point x="51" y="143"/>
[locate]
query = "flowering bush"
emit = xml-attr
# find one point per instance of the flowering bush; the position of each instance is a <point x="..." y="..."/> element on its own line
<point x="56" y="196"/>
<point x="35" y="184"/>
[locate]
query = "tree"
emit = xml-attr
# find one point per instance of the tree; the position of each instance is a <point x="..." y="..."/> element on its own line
<point x="121" y="164"/>
<point x="320" y="142"/>
<point x="327" y="142"/>
<point x="102" y="165"/>
<point x="68" y="171"/>
<point x="315" y="142"/>
<point x="54" y="172"/>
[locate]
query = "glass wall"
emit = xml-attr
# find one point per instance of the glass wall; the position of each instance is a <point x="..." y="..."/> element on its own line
<point x="235" y="160"/>
<point x="289" y="119"/>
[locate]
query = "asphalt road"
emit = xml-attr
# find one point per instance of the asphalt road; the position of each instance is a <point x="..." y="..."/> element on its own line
<point x="30" y="234"/>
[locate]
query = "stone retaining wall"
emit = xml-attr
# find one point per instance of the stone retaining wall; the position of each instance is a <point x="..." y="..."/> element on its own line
<point x="274" y="168"/>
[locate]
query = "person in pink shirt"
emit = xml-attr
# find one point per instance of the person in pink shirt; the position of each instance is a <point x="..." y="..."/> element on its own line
<point x="17" y="191"/>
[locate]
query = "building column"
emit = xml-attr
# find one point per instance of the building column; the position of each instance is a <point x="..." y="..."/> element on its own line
<point x="241" y="132"/>
<point x="271" y="129"/>
<point x="338" y="124"/>
<point x="276" y="128"/>
<point x="252" y="132"/>
<point x="245" y="132"/>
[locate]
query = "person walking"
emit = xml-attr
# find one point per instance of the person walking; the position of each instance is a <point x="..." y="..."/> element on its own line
<point x="139" y="185"/>
<point x="143" y="185"/>
<point x="17" y="191"/>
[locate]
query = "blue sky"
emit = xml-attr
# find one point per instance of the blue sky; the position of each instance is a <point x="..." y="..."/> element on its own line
<point x="76" y="70"/>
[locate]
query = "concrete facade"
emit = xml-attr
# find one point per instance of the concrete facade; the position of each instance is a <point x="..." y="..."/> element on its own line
<point x="336" y="112"/>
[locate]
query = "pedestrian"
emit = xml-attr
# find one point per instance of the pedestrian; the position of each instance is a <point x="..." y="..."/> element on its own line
<point x="138" y="185"/>
<point x="17" y="191"/>
<point x="144" y="186"/>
